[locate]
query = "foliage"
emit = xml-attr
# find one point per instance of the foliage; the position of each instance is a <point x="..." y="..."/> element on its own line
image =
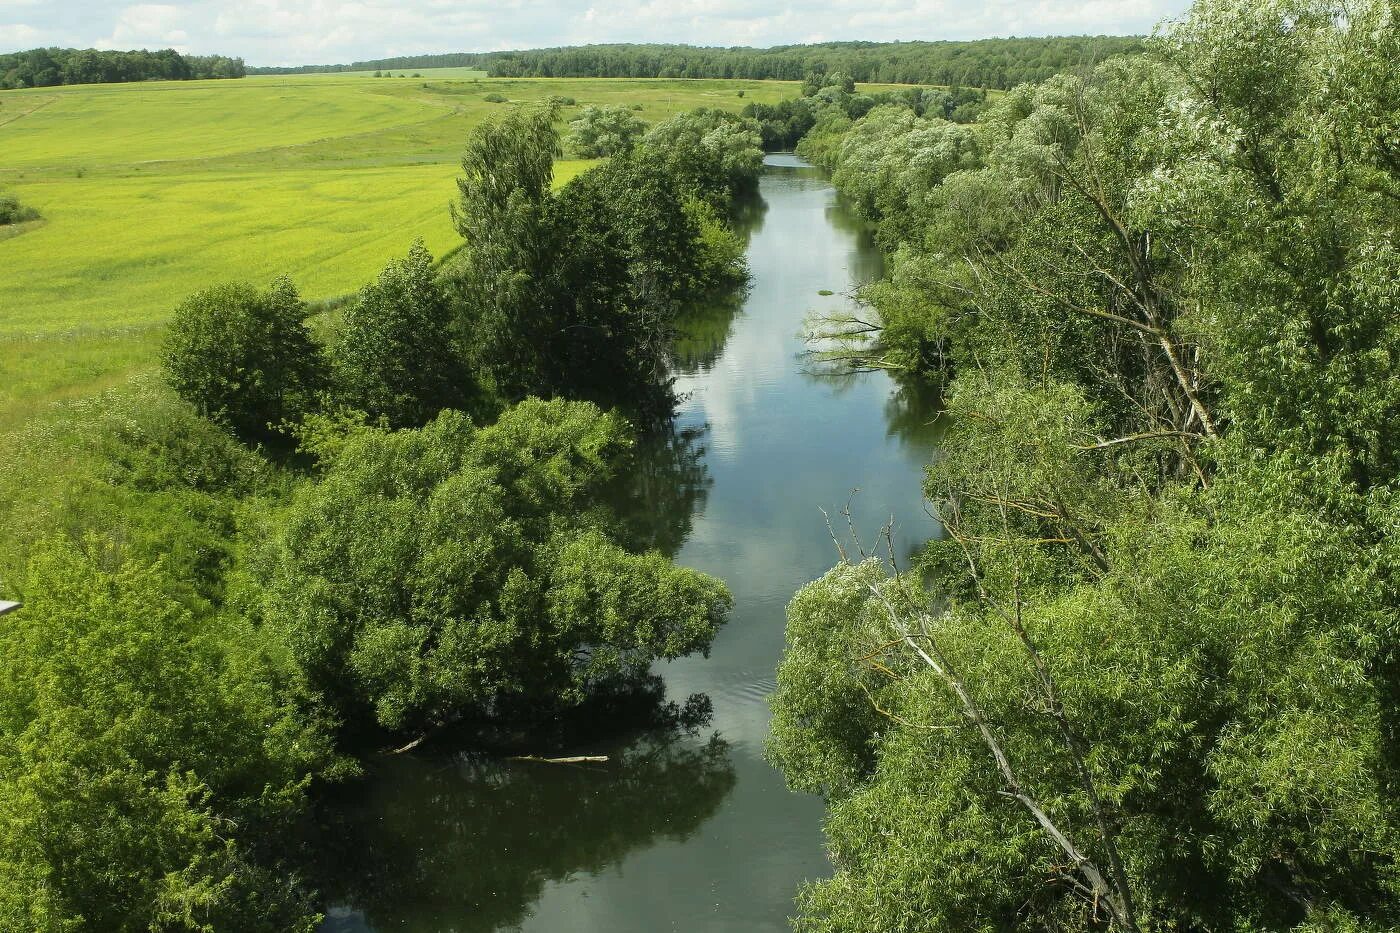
<point x="1147" y="679"/>
<point x="507" y="167"/>
<point x="396" y="355"/>
<point x="52" y="66"/>
<point x="996" y="63"/>
<point x="143" y="757"/>
<point x="140" y="470"/>
<point x="712" y="152"/>
<point x="599" y="132"/>
<point x="434" y="574"/>
<point x="582" y="297"/>
<point x="243" y="357"/>
<point x="13" y="212"/>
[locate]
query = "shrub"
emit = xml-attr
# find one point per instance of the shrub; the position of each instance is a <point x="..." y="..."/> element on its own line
<point x="13" y="212"/>
<point x="396" y="358"/>
<point x="434" y="573"/>
<point x="244" y="358"/>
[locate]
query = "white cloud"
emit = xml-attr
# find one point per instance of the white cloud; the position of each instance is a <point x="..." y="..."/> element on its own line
<point x="322" y="31"/>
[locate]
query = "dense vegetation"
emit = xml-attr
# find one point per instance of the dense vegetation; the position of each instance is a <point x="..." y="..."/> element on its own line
<point x="1149" y="679"/>
<point x="316" y="538"/>
<point x="13" y="212"/>
<point x="829" y="103"/>
<point x="53" y="66"/>
<point x="984" y="63"/>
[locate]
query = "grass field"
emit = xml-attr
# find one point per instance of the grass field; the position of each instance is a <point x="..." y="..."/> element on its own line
<point x="151" y="191"/>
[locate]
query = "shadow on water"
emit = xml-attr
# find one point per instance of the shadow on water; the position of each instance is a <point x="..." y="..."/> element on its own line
<point x="701" y="334"/>
<point x="466" y="843"/>
<point x="665" y="485"/>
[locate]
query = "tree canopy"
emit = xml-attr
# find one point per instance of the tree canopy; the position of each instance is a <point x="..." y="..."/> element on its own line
<point x="430" y="575"/>
<point x="48" y="67"/>
<point x="1147" y="678"/>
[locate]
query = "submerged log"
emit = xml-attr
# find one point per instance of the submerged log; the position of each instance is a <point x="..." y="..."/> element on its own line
<point x="568" y="760"/>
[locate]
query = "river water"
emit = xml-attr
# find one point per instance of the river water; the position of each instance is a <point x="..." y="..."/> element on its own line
<point x="692" y="832"/>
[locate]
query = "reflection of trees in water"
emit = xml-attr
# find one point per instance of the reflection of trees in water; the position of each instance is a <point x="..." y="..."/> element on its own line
<point x="703" y="330"/>
<point x="468" y="844"/>
<point x="665" y="484"/>
<point x="867" y="262"/>
<point x="914" y="416"/>
<point x="746" y="215"/>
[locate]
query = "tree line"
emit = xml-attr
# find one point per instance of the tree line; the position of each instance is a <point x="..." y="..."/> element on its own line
<point x="984" y="63"/>
<point x="1147" y="677"/>
<point x="49" y="67"/>
<point x="316" y="536"/>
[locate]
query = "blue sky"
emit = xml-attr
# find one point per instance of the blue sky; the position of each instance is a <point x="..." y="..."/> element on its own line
<point x="278" y="32"/>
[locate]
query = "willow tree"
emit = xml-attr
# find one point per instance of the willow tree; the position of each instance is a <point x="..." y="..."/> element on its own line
<point x="1147" y="678"/>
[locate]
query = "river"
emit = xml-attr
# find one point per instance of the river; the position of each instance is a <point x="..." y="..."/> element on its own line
<point x="697" y="832"/>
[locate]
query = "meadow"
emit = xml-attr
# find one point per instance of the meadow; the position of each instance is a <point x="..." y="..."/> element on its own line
<point x="151" y="191"/>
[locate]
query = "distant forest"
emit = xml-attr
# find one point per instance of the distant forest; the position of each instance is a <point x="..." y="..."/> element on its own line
<point x="991" y="63"/>
<point x="53" y="66"/>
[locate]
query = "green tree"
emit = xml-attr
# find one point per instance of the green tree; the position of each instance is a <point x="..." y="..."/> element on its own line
<point x="146" y="758"/>
<point x="1147" y="680"/>
<point x="599" y="132"/>
<point x="398" y="353"/>
<point x="712" y="152"/>
<point x="244" y="357"/>
<point x="507" y="168"/>
<point x="440" y="573"/>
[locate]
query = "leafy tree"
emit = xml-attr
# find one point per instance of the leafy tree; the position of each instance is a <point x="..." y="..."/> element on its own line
<point x="143" y="758"/>
<point x="397" y="355"/>
<point x="710" y="151"/>
<point x="507" y="170"/>
<point x="1147" y="680"/>
<point x="582" y="300"/>
<point x="599" y="132"/>
<point x="52" y="66"/>
<point x="447" y="572"/>
<point x="244" y="357"/>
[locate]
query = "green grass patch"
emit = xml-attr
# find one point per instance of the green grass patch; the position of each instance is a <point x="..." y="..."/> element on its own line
<point x="153" y="190"/>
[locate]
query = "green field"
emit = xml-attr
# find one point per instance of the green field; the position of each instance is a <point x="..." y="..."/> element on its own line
<point x="150" y="191"/>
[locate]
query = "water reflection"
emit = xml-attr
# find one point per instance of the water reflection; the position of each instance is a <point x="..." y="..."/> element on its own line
<point x="913" y="417"/>
<point x="703" y="332"/>
<point x="664" y="486"/>
<point x="466" y="843"/>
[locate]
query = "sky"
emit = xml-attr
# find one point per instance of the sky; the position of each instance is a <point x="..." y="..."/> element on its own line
<point x="295" y="32"/>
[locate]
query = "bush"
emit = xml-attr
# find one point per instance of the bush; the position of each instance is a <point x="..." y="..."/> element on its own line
<point x="396" y="357"/>
<point x="13" y="212"/>
<point x="141" y="758"/>
<point x="494" y="97"/>
<point x="436" y="573"/>
<point x="244" y="358"/>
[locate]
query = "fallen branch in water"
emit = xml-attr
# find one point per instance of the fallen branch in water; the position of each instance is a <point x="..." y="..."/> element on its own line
<point x="570" y="760"/>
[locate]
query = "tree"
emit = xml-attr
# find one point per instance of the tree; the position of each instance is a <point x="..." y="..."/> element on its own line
<point x="712" y="152"/>
<point x="507" y="169"/>
<point x="244" y="357"/>
<point x="1146" y="679"/>
<point x="581" y="300"/>
<point x="398" y="355"/>
<point x="599" y="132"/>
<point x="449" y="572"/>
<point x="144" y="759"/>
